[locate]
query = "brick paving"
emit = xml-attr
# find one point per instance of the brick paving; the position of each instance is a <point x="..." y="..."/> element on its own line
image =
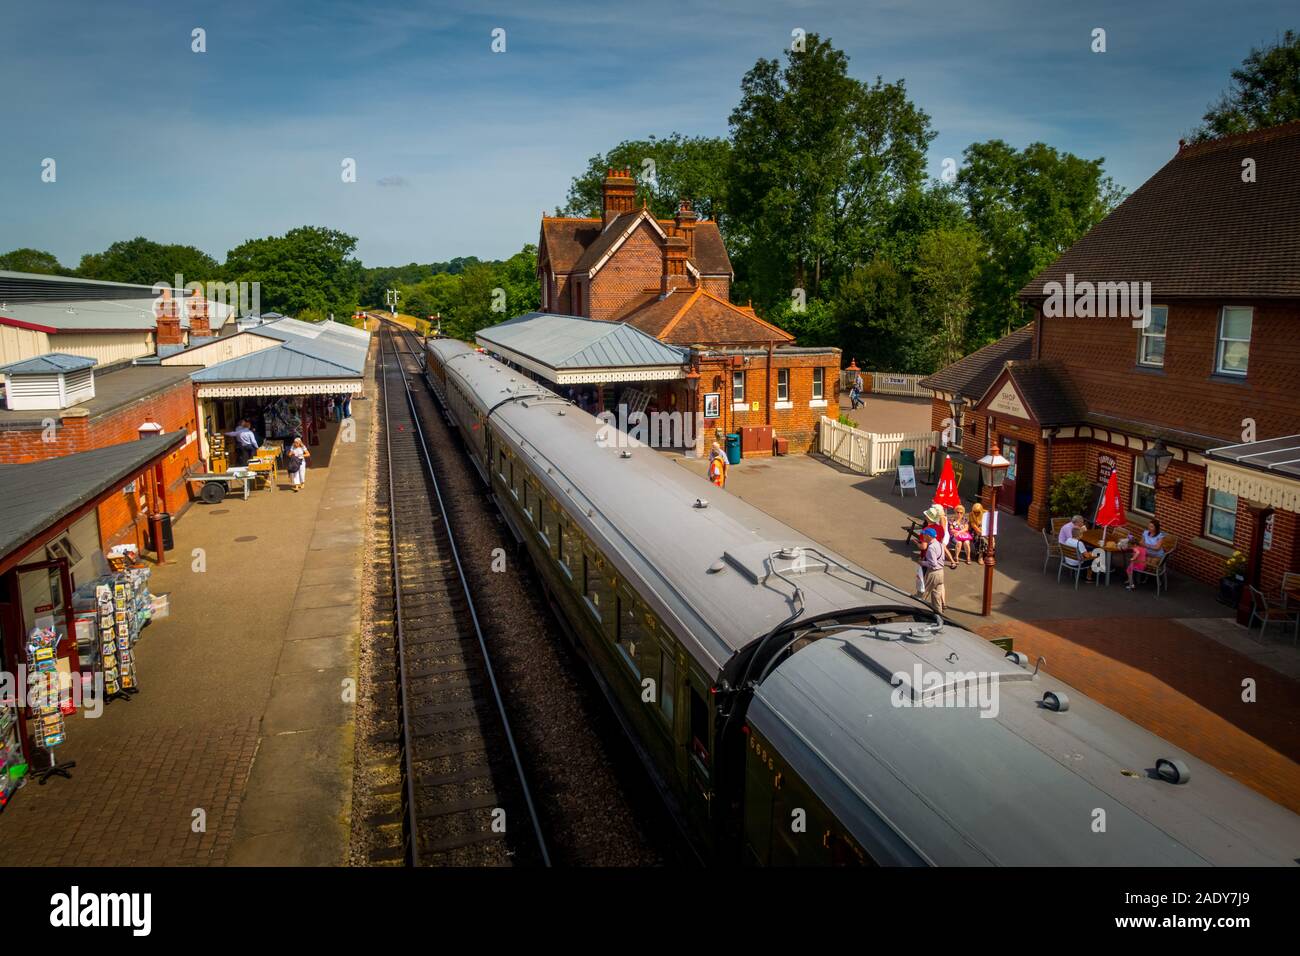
<point x="132" y="797"/>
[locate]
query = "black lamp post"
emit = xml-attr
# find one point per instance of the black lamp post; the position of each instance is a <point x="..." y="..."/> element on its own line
<point x="1158" y="458"/>
<point x="993" y="469"/>
<point x="958" y="405"/>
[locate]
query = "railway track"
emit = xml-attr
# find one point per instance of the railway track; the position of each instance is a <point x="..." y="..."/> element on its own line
<point x="465" y="798"/>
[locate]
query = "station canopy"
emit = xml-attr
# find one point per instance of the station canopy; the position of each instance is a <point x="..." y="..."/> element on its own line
<point x="283" y="357"/>
<point x="1266" y="471"/>
<point x="572" y="350"/>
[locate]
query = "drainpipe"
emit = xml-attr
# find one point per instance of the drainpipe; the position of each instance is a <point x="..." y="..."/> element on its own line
<point x="1051" y="434"/>
<point x="768" y="403"/>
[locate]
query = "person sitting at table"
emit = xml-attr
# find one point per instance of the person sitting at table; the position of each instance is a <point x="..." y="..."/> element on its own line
<point x="1070" y="538"/>
<point x="961" y="534"/>
<point x="1153" y="546"/>
<point x="937" y="518"/>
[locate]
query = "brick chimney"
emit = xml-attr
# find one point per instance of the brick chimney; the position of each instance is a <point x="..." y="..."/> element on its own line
<point x="168" y="321"/>
<point x="674" y="275"/>
<point x="619" y="194"/>
<point x="198" y="310"/>
<point x="684" y="225"/>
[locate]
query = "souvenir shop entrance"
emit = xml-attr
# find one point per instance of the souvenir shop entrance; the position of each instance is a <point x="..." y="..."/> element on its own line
<point x="276" y="420"/>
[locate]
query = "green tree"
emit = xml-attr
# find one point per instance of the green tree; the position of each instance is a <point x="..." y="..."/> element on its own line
<point x="817" y="158"/>
<point x="1265" y="92"/>
<point x="878" y="322"/>
<point x="813" y="324"/>
<point x="667" y="170"/>
<point x="947" y="266"/>
<point x="307" y="268"/>
<point x="145" y="262"/>
<point x="32" y="260"/>
<point x="1028" y="206"/>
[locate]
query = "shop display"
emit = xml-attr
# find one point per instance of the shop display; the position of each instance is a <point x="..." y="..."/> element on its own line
<point x="120" y="606"/>
<point x="282" y="419"/>
<point x="47" y="699"/>
<point x="13" y="765"/>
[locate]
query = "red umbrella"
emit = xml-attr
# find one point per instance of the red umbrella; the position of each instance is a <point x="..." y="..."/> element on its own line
<point x="1111" y="511"/>
<point x="946" y="493"/>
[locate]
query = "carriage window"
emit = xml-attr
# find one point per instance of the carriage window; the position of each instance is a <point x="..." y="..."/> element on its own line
<point x="667" y="682"/>
<point x="591" y="585"/>
<point x="699" y="727"/>
<point x="549" y="520"/>
<point x="562" y="547"/>
<point x="530" y="500"/>
<point x="628" y="632"/>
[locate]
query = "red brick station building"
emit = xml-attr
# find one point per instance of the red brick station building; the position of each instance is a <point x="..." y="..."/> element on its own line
<point x="665" y="285"/>
<point x="1209" y="385"/>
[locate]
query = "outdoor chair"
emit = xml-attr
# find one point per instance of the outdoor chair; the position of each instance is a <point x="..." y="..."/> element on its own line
<point x="1052" y="548"/>
<point x="1158" y="567"/>
<point x="1268" y="611"/>
<point x="1074" y="564"/>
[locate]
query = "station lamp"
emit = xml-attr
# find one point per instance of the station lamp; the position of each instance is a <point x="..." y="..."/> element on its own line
<point x="1158" y="458"/>
<point x="958" y="405"/>
<point x="993" y="469"/>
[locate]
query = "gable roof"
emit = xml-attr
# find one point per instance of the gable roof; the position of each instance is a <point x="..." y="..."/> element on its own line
<point x="566" y="242"/>
<point x="975" y="373"/>
<point x="691" y="317"/>
<point x="1195" y="229"/>
<point x="307" y="350"/>
<point x="570" y="341"/>
<point x="1048" y="392"/>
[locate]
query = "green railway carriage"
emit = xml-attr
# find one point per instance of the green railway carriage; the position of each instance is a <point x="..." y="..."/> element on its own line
<point x="796" y="710"/>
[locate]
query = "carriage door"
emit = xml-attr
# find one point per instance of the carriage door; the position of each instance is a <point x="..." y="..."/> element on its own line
<point x="699" y="749"/>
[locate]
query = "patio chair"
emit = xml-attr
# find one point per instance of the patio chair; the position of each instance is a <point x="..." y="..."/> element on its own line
<point x="1269" y="612"/>
<point x="1052" y="548"/>
<point x="1074" y="563"/>
<point x="1158" y="566"/>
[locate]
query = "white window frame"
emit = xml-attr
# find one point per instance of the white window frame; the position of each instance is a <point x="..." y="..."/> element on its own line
<point x="1139" y="461"/>
<point x="783" y="385"/>
<point x="738" y="394"/>
<point x="819" y="384"/>
<point x="1211" y="507"/>
<point x="1145" y="335"/>
<point x="1218" y="348"/>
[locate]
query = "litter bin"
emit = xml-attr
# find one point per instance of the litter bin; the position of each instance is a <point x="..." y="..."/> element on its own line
<point x="733" y="448"/>
<point x="169" y="542"/>
<point x="907" y="456"/>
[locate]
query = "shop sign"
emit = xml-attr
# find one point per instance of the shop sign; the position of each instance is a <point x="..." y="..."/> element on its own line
<point x="1007" y="402"/>
<point x="1105" y="465"/>
<point x="713" y="405"/>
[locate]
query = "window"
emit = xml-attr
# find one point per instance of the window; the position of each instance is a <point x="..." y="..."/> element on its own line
<point x="1234" y="340"/>
<point x="1144" y="487"/>
<point x="737" y="387"/>
<point x="1151" y="347"/>
<point x="628" y="631"/>
<point x="699" y="728"/>
<point x="591" y="585"/>
<point x="530" y="500"/>
<point x="667" y="682"/>
<point x="783" y="385"/>
<point x="550" y="518"/>
<point x="1220" y="515"/>
<point x="819" y="383"/>
<point x="562" y="548"/>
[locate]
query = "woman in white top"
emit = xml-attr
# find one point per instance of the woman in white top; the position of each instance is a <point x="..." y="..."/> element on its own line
<point x="298" y="455"/>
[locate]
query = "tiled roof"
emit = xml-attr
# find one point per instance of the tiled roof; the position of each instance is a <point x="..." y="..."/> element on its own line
<point x="698" y="317"/>
<point x="973" y="374"/>
<point x="1048" y="392"/>
<point x="568" y="240"/>
<point x="35" y="495"/>
<point x="1195" y="229"/>
<point x="569" y="342"/>
<point x="52" y="363"/>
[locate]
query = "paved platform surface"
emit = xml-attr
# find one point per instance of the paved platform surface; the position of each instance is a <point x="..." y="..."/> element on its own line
<point x="1174" y="664"/>
<point x="241" y="714"/>
<point x="888" y="413"/>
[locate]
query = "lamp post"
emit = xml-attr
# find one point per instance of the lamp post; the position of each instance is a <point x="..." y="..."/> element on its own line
<point x="1158" y="458"/>
<point x="958" y="404"/>
<point x="993" y="469"/>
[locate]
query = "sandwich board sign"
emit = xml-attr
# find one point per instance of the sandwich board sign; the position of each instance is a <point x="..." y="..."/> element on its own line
<point x="906" y="478"/>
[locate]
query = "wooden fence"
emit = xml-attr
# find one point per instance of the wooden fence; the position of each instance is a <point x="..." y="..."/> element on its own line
<point x="872" y="453"/>
<point x="887" y="383"/>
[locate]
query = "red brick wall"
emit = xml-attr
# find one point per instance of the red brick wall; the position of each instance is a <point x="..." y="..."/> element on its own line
<point x="798" y="423"/>
<point x="1101" y="356"/>
<point x="118" y="516"/>
<point x="634" y="268"/>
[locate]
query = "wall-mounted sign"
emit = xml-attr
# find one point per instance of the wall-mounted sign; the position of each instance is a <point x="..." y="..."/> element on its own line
<point x="713" y="405"/>
<point x="1105" y="465"/>
<point x="1007" y="402"/>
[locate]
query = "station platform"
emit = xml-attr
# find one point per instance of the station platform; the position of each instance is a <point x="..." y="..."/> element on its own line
<point x="238" y="749"/>
<point x="1173" y="664"/>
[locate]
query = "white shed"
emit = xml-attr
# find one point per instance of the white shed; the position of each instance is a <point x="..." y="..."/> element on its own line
<point x="50" y="381"/>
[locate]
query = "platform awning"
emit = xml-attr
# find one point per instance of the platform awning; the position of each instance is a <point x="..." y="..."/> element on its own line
<point x="1265" y="471"/>
<point x="333" y="386"/>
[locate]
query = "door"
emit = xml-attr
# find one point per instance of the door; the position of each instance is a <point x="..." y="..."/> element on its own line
<point x="1007" y="495"/>
<point x="1024" y="495"/>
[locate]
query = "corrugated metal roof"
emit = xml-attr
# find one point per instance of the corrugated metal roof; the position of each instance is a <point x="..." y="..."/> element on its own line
<point x="570" y="341"/>
<point x="54" y="363"/>
<point x="35" y="495"/>
<point x="280" y="362"/>
<point x="98" y="314"/>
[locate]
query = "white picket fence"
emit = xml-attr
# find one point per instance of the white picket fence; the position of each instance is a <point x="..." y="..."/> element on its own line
<point x="872" y="453"/>
<point x="887" y="383"/>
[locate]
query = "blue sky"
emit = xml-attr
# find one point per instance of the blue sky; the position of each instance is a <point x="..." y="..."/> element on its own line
<point x="459" y="149"/>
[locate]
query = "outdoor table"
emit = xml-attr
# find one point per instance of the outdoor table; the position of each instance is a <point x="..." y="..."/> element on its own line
<point x="215" y="485"/>
<point x="1093" y="539"/>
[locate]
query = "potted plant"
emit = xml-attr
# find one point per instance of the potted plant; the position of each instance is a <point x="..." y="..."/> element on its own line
<point x="1233" y="580"/>
<point x="1070" y="494"/>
